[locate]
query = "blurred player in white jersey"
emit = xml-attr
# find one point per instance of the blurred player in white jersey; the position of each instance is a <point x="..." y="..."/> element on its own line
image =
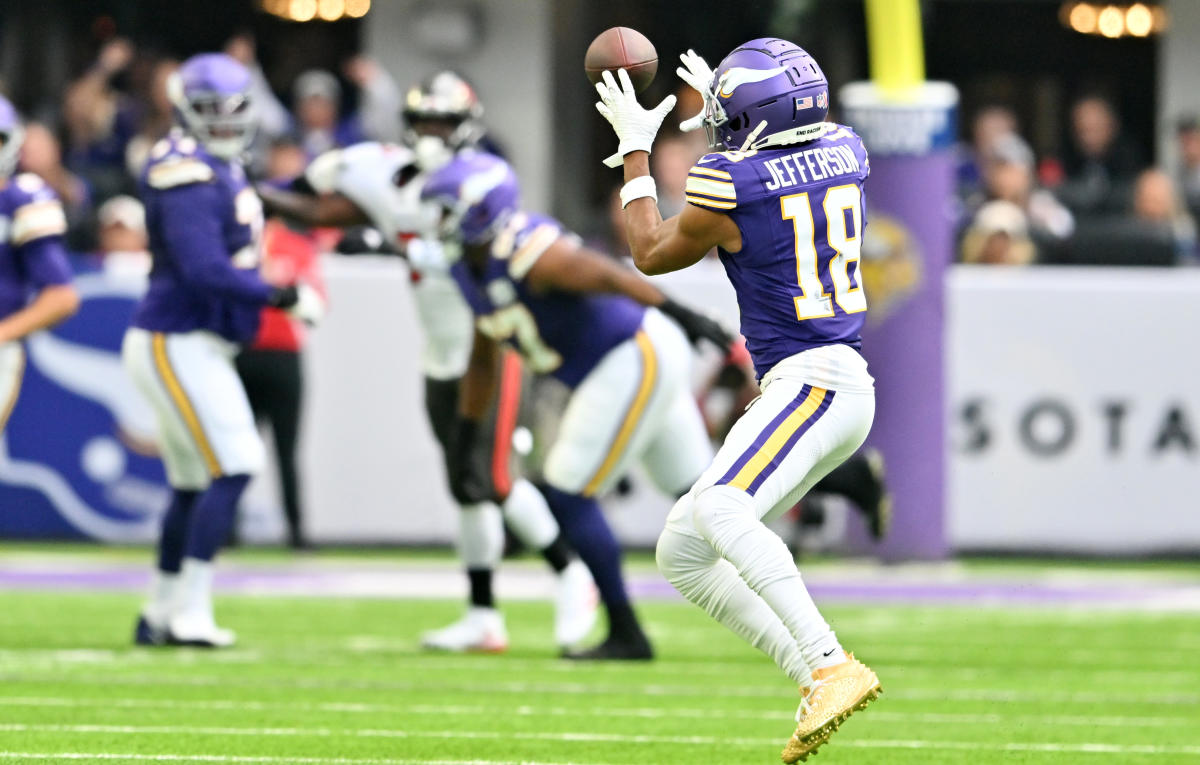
<point x="784" y="204"/>
<point x="380" y="184"/>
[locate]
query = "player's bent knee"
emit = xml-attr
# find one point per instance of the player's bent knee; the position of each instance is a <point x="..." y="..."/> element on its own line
<point x="716" y="504"/>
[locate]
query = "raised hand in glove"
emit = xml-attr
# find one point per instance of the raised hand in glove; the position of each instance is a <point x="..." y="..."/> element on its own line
<point x="698" y="75"/>
<point x="466" y="483"/>
<point x="634" y="125"/>
<point x="697" y="326"/>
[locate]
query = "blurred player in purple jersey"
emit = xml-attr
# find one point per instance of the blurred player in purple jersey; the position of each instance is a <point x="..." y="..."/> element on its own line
<point x="784" y="205"/>
<point x="32" y="260"/>
<point x="205" y="296"/>
<point x="597" y="328"/>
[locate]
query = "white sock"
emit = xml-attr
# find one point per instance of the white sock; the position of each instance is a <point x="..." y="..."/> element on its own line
<point x="529" y="516"/>
<point x="693" y="567"/>
<point x="481" y="535"/>
<point x="726" y="518"/>
<point x="164" y="589"/>
<point x="195" y="587"/>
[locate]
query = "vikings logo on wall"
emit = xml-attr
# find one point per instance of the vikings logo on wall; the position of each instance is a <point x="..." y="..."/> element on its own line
<point x="891" y="266"/>
<point x="78" y="457"/>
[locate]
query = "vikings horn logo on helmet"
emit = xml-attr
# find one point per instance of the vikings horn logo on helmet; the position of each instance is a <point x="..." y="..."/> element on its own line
<point x="734" y="78"/>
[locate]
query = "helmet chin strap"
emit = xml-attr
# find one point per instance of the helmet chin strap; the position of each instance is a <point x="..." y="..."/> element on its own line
<point x="749" y="142"/>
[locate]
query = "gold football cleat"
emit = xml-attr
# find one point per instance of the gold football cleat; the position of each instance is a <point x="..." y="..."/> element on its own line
<point x="836" y="693"/>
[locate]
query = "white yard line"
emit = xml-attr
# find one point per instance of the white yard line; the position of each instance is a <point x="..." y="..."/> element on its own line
<point x="1074" y="748"/>
<point x="94" y="756"/>
<point x="460" y="710"/>
<point x="773" y="691"/>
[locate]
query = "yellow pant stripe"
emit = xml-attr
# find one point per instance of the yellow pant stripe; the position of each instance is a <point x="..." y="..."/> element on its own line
<point x="180" y="399"/>
<point x="771" y="448"/>
<point x="16" y="393"/>
<point x="632" y="415"/>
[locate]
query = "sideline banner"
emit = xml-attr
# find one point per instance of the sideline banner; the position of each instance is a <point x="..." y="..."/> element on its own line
<point x="78" y="457"/>
<point x="1075" y="409"/>
<point x="907" y="246"/>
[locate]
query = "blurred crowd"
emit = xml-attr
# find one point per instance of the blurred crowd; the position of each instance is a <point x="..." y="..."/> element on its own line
<point x="93" y="147"/>
<point x="1100" y="203"/>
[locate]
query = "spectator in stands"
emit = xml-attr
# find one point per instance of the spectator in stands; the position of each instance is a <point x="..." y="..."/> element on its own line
<point x="1156" y="203"/>
<point x="156" y="119"/>
<point x="271" y="368"/>
<point x="1188" y="137"/>
<point x="41" y="154"/>
<point x="998" y="235"/>
<point x="379" y="99"/>
<point x="990" y="123"/>
<point x="123" y="246"/>
<point x="1102" y="164"/>
<point x="100" y="121"/>
<point x="1009" y="176"/>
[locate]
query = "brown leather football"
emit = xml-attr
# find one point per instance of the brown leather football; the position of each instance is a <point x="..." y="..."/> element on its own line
<point x="622" y="48"/>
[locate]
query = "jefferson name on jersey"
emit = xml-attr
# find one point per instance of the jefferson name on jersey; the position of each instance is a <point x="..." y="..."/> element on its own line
<point x="801" y="211"/>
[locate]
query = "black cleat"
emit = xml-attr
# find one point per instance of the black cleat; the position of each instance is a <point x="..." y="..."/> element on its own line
<point x="877" y="504"/>
<point x="147" y="634"/>
<point x="635" y="648"/>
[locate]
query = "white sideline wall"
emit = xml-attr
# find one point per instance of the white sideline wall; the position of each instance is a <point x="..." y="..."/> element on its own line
<point x="1074" y="398"/>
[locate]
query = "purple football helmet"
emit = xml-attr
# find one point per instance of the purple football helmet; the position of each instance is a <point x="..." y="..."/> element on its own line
<point x="478" y="193"/>
<point x="12" y="135"/>
<point x="211" y="95"/>
<point x="769" y="81"/>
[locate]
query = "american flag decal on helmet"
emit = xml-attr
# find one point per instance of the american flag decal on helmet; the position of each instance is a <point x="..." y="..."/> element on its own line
<point x="823" y="99"/>
<point x="804" y="103"/>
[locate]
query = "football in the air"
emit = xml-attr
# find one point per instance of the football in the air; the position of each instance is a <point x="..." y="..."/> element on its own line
<point x="622" y="48"/>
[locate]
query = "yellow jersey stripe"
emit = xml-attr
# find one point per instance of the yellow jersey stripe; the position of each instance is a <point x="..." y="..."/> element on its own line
<point x="710" y="203"/>
<point x="710" y="188"/>
<point x="632" y="416"/>
<point x="16" y="392"/>
<point x="697" y="170"/>
<point x="771" y="448"/>
<point x="179" y="397"/>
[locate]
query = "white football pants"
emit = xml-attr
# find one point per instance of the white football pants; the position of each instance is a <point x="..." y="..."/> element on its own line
<point x="205" y="423"/>
<point x="635" y="406"/>
<point x="815" y="411"/>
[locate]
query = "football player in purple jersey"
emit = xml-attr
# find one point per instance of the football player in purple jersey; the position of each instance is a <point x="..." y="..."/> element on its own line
<point x="32" y="260"/>
<point x="205" y="296"/>
<point x="783" y="203"/>
<point x="600" y="330"/>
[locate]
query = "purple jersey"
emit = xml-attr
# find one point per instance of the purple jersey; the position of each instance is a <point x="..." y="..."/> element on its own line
<point x="801" y="211"/>
<point x="31" y="250"/>
<point x="205" y="226"/>
<point x="558" y="333"/>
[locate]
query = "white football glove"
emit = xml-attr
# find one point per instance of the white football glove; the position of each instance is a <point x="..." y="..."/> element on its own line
<point x="427" y="256"/>
<point x="697" y="74"/>
<point x="634" y="125"/>
<point x="309" y="307"/>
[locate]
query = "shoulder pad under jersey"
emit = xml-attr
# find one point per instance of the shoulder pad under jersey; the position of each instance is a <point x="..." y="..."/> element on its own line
<point x="177" y="161"/>
<point x="37" y="212"/>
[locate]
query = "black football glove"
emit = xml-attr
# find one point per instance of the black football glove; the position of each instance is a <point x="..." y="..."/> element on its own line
<point x="466" y="484"/>
<point x="284" y="297"/>
<point x="697" y="326"/>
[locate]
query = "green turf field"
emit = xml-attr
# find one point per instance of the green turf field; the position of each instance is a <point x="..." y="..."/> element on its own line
<point x="340" y="680"/>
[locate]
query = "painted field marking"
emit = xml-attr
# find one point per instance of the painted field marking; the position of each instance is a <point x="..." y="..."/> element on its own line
<point x="233" y="758"/>
<point x="457" y="710"/>
<point x="1075" y="748"/>
<point x="775" y="691"/>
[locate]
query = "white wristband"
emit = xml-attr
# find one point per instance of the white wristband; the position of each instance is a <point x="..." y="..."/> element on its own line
<point x="642" y="186"/>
